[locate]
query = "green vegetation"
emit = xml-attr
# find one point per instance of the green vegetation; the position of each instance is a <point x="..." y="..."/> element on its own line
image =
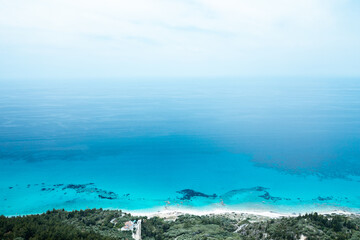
<point x="313" y="226"/>
<point x="190" y="227"/>
<point x="60" y="224"/>
<point x="106" y="224"/>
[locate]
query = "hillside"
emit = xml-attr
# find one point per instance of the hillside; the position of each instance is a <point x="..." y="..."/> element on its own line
<point x="107" y="224"/>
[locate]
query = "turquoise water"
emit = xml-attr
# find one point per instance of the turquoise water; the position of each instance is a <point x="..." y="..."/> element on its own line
<point x="287" y="145"/>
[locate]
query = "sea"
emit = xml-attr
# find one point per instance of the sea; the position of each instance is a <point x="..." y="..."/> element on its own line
<point x="287" y="145"/>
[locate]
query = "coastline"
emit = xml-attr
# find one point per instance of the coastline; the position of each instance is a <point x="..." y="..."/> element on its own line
<point x="174" y="212"/>
<point x="182" y="223"/>
<point x="170" y="211"/>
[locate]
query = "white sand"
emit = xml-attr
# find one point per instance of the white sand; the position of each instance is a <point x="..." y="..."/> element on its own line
<point x="173" y="213"/>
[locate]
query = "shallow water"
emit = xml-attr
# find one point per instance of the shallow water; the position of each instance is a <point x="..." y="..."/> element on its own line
<point x="286" y="145"/>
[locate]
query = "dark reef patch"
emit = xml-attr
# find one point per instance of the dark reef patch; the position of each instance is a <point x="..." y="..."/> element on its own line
<point x="187" y="194"/>
<point x="89" y="188"/>
<point x="324" y="198"/>
<point x="267" y="196"/>
<point x="243" y="190"/>
<point x="237" y="193"/>
<point x="77" y="187"/>
<point x="106" y="197"/>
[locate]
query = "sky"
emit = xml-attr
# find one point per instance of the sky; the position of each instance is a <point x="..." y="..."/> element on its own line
<point x="70" y="39"/>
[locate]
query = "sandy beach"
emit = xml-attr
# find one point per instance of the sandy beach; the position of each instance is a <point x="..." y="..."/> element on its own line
<point x="171" y="213"/>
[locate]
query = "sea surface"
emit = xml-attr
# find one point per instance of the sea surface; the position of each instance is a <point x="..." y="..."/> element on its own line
<point x="286" y="145"/>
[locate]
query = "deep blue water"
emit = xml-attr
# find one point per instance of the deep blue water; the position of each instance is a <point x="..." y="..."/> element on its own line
<point x="276" y="144"/>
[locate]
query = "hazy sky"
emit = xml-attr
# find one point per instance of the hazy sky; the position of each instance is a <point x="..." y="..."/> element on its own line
<point x="178" y="38"/>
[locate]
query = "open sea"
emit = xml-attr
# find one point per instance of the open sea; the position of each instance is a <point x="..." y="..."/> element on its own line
<point x="283" y="145"/>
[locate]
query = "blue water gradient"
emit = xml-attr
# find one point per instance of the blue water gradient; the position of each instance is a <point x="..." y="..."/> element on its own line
<point x="288" y="145"/>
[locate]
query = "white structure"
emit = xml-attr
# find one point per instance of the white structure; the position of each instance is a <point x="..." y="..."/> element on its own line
<point x="129" y="226"/>
<point x="135" y="227"/>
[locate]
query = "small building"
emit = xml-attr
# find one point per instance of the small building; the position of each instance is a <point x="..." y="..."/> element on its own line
<point x="129" y="226"/>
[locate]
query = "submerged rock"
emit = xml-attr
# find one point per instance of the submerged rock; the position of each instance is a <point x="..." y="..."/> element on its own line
<point x="187" y="194"/>
<point x="267" y="196"/>
<point x="324" y="198"/>
<point x="110" y="197"/>
<point x="77" y="187"/>
<point x="234" y="192"/>
<point x="238" y="194"/>
<point x="90" y="189"/>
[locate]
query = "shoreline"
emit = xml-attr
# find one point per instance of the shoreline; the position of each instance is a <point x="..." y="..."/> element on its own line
<point x="179" y="224"/>
<point x="173" y="212"/>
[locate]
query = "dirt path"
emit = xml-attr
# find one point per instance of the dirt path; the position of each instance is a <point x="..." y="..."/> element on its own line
<point x="137" y="234"/>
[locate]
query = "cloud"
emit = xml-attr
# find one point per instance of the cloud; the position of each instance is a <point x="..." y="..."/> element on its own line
<point x="115" y="38"/>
